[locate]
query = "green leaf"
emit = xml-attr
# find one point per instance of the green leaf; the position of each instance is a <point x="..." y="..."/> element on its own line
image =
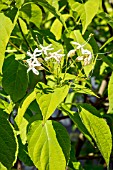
<point x="23" y="130"/>
<point x="23" y="107"/>
<point x="2" y="167"/>
<point x="47" y="146"/>
<point x="108" y="60"/>
<point x="86" y="12"/>
<point x="106" y="17"/>
<point x="7" y="107"/>
<point x="15" y="80"/>
<point x="82" y="89"/>
<point x="32" y="13"/>
<point x="8" y="142"/>
<point x="107" y="42"/>
<point x="75" y="117"/>
<point x="6" y="27"/>
<point x="110" y="94"/>
<point x="59" y="25"/>
<point x="51" y="9"/>
<point x="48" y="102"/>
<point x="98" y="129"/>
<point x="23" y="154"/>
<point x="19" y="3"/>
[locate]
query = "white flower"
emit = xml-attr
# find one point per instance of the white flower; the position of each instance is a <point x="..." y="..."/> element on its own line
<point x="34" y="55"/>
<point x="45" y="49"/>
<point x="79" y="46"/>
<point x="87" y="56"/>
<point x="55" y="55"/>
<point x="71" y="53"/>
<point x="80" y="58"/>
<point x="87" y="60"/>
<point x="32" y="63"/>
<point x="87" y="52"/>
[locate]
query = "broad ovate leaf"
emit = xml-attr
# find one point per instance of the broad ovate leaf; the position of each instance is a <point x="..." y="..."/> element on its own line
<point x="82" y="89"/>
<point x="110" y="94"/>
<point x="59" y="25"/>
<point x="8" y="142"/>
<point x="31" y="13"/>
<point x="48" y="102"/>
<point x="51" y="9"/>
<point x="98" y="129"/>
<point x="75" y="117"/>
<point x="48" y="145"/>
<point x="15" y="80"/>
<point x="6" y="27"/>
<point x="23" y="107"/>
<point x="86" y="11"/>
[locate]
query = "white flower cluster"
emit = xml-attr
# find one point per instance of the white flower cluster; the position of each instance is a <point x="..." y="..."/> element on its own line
<point x="33" y="61"/>
<point x="86" y="55"/>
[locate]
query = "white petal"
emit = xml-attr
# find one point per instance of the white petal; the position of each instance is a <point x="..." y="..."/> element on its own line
<point x="29" y="69"/>
<point x="79" y="58"/>
<point x="35" y="71"/>
<point x="71" y="53"/>
<point x="85" y="51"/>
<point x="29" y="54"/>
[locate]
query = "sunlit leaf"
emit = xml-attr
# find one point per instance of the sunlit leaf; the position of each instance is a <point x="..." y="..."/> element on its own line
<point x="82" y="89"/>
<point x="23" y="107"/>
<point x="110" y="94"/>
<point x="2" y="167"/>
<point x="48" y="102"/>
<point x="86" y="12"/>
<point x="98" y="129"/>
<point x="48" y="148"/>
<point x="59" y="25"/>
<point x="19" y="3"/>
<point x="8" y="142"/>
<point x="6" y="27"/>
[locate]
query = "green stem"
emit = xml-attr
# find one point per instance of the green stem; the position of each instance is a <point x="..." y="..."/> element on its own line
<point x="23" y="52"/>
<point x="24" y="36"/>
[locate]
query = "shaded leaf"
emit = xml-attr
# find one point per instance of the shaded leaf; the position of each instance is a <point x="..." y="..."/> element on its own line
<point x="23" y="154"/>
<point x="32" y="13"/>
<point x="48" y="148"/>
<point x="75" y="117"/>
<point x="106" y="17"/>
<point x="15" y="80"/>
<point x="53" y="10"/>
<point x="107" y="42"/>
<point x="8" y="142"/>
